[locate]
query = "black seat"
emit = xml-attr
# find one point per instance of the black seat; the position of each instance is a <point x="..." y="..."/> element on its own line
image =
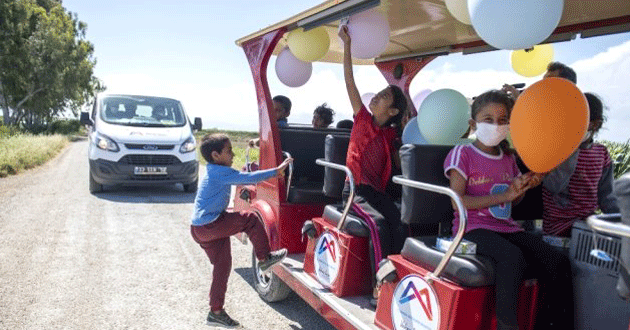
<point x="353" y="225"/>
<point x="531" y="207"/>
<point x="465" y="270"/>
<point x="432" y="211"/>
<point x="305" y="146"/>
<point x="336" y="149"/>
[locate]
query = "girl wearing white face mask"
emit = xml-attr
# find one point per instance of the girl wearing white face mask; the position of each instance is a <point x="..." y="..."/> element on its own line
<point x="484" y="173"/>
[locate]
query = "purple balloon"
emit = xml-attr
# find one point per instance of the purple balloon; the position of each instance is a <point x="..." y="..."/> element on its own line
<point x="369" y="32"/>
<point x="417" y="100"/>
<point x="291" y="71"/>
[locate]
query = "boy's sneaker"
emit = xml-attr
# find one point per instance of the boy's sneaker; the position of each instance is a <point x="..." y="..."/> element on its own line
<point x="221" y="320"/>
<point x="272" y="259"/>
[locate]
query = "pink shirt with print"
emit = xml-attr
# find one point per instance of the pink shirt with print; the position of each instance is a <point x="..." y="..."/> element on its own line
<point x="485" y="174"/>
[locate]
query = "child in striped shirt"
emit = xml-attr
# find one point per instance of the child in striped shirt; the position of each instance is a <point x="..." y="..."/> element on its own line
<point x="582" y="184"/>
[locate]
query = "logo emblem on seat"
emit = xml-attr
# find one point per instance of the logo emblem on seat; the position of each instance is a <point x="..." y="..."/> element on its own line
<point x="415" y="305"/>
<point x="327" y="259"/>
<point x="150" y="147"/>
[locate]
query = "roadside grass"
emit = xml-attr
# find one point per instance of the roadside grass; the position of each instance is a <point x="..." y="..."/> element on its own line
<point x="21" y="152"/>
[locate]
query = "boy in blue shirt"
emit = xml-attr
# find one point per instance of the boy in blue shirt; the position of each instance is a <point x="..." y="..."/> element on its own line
<point x="212" y="225"/>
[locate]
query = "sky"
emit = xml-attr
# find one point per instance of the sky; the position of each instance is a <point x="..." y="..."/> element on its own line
<point x="185" y="49"/>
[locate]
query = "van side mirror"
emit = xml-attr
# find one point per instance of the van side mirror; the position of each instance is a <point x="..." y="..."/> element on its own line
<point x="197" y="125"/>
<point x="85" y="119"/>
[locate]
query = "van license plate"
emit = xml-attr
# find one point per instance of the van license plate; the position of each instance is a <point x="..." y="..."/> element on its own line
<point x="149" y="170"/>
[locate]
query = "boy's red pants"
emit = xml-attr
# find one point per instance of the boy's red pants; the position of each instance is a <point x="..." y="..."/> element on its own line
<point x="214" y="238"/>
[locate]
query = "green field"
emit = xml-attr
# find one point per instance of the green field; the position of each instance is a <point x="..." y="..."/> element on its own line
<point x="239" y="145"/>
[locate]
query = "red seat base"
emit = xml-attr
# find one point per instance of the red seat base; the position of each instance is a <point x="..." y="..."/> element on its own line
<point x="349" y="274"/>
<point x="460" y="308"/>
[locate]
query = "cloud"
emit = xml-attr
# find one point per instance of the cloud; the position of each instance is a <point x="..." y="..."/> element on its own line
<point x="607" y="75"/>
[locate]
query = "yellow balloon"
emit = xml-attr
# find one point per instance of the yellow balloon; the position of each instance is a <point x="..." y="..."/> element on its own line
<point x="532" y="62"/>
<point x="309" y="46"/>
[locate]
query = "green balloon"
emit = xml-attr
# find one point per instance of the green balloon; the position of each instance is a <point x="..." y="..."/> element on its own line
<point x="443" y="117"/>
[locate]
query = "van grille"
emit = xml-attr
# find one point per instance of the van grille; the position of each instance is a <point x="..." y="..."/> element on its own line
<point x="149" y="160"/>
<point x="134" y="146"/>
<point x="609" y="244"/>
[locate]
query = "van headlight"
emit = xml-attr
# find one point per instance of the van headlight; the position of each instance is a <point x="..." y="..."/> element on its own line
<point x="188" y="145"/>
<point x="105" y="143"/>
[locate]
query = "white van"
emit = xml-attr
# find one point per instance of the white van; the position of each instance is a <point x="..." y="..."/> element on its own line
<point x="141" y="140"/>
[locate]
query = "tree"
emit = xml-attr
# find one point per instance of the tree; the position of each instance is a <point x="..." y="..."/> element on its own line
<point x="46" y="64"/>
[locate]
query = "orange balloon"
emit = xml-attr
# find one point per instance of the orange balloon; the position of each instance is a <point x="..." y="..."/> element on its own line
<point x="548" y="123"/>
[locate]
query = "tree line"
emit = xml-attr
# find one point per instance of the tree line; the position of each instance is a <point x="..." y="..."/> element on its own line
<point x="46" y="63"/>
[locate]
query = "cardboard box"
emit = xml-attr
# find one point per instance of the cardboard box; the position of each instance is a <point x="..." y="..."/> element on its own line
<point x="465" y="247"/>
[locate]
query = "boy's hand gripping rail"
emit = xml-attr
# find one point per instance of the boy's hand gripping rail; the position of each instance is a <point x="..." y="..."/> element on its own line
<point x="288" y="155"/>
<point x="339" y="167"/>
<point x="602" y="223"/>
<point x="463" y="218"/>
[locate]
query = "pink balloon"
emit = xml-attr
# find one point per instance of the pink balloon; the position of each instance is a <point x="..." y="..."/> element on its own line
<point x="366" y="98"/>
<point x="369" y="32"/>
<point x="417" y="100"/>
<point x="291" y="71"/>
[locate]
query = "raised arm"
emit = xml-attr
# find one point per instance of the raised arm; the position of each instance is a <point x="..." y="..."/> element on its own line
<point x="351" y="86"/>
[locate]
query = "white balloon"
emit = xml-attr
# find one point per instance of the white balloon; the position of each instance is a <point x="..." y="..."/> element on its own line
<point x="417" y="100"/>
<point x="514" y="24"/>
<point x="369" y="32"/>
<point x="366" y="98"/>
<point x="459" y="10"/>
<point x="291" y="71"/>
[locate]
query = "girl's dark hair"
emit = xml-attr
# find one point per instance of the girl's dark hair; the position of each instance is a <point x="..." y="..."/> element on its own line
<point x="325" y="113"/>
<point x="212" y="142"/>
<point x="498" y="97"/>
<point x="400" y="103"/>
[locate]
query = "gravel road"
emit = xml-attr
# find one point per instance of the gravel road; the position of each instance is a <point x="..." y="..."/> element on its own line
<point x="122" y="259"/>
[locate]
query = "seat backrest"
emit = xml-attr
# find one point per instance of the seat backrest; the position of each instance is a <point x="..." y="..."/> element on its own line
<point x="335" y="151"/>
<point x="531" y="207"/>
<point x="305" y="146"/>
<point x="425" y="163"/>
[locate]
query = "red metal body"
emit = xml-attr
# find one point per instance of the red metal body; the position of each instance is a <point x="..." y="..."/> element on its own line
<point x="284" y="227"/>
<point x="354" y="274"/>
<point x="403" y="76"/>
<point x="460" y="308"/>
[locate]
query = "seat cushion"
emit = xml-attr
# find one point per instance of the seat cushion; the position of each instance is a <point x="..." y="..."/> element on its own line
<point x="465" y="270"/>
<point x="353" y="225"/>
<point x="308" y="193"/>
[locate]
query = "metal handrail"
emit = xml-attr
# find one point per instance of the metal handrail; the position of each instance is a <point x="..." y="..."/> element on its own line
<point x="288" y="155"/>
<point x="339" y="167"/>
<point x="601" y="223"/>
<point x="463" y="218"/>
<point x="249" y="165"/>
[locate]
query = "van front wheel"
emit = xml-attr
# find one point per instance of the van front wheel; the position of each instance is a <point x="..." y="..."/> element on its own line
<point x="95" y="187"/>
<point x="268" y="285"/>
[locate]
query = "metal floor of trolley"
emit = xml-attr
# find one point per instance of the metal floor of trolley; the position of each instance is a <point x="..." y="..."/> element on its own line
<point x="355" y="310"/>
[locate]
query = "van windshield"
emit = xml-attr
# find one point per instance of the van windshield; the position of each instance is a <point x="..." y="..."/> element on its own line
<point x="142" y="111"/>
